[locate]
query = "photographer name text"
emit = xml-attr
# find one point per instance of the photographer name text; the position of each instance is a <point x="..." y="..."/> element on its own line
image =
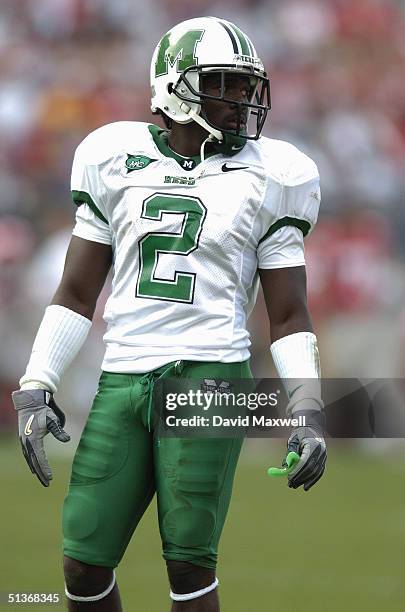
<point x="249" y="420"/>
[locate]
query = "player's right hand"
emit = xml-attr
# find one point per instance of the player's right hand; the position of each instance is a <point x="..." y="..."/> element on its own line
<point x="38" y="415"/>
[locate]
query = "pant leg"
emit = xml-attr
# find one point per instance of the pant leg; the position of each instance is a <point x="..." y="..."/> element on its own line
<point x="194" y="479"/>
<point x="112" y="480"/>
<point x="194" y="484"/>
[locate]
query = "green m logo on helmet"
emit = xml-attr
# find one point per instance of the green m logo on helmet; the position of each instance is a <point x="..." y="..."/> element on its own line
<point x="181" y="52"/>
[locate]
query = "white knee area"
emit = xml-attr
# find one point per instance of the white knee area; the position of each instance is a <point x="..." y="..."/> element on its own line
<point x="92" y="597"/>
<point x="200" y="593"/>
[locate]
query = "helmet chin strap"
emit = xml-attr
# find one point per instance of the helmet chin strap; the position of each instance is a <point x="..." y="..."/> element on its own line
<point x="223" y="143"/>
<point x="210" y="138"/>
<point x="214" y="134"/>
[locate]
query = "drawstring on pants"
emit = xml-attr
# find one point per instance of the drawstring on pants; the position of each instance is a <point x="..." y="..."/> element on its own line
<point x="151" y="378"/>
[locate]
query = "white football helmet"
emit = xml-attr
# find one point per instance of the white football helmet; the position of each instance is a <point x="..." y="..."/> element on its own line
<point x="207" y="45"/>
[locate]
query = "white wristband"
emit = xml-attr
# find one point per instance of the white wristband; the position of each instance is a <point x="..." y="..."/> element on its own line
<point x="296" y="358"/>
<point x="59" y="338"/>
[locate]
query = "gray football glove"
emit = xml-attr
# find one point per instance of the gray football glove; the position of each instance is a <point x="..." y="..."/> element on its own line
<point x="309" y="443"/>
<point x="38" y="415"/>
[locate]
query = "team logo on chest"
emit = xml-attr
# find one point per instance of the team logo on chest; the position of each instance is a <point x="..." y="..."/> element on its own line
<point x="137" y="162"/>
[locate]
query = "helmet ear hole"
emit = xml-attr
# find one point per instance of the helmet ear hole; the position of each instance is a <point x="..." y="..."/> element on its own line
<point x="170" y="88"/>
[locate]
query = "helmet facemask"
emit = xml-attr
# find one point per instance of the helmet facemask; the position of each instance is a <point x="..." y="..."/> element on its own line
<point x="190" y="88"/>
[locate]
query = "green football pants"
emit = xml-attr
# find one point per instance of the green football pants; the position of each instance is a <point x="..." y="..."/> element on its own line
<point x="120" y="463"/>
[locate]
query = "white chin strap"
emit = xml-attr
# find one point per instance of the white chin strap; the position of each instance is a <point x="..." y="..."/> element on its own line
<point x="200" y="593"/>
<point x="91" y="597"/>
<point x="213" y="132"/>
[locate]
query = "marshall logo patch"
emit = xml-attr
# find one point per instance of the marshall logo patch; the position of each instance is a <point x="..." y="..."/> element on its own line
<point x="137" y="162"/>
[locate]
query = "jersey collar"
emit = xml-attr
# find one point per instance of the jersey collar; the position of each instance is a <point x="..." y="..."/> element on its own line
<point x="160" y="137"/>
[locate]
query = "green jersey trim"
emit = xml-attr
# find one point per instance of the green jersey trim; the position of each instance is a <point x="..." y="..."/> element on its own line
<point x="160" y="138"/>
<point x="301" y="224"/>
<point x="80" y="197"/>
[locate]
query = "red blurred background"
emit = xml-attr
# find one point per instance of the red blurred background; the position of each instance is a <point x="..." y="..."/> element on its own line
<point x="337" y="70"/>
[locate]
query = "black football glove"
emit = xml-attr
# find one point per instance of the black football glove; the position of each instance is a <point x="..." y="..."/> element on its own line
<point x="38" y="415"/>
<point x="309" y="443"/>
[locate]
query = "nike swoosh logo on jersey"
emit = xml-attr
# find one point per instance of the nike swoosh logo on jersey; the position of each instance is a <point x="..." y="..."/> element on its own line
<point x="226" y="168"/>
<point x="27" y="429"/>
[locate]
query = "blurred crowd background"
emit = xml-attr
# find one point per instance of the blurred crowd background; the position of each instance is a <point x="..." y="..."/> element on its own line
<point x="337" y="72"/>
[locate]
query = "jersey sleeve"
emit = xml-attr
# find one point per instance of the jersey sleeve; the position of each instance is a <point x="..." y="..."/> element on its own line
<point x="90" y="227"/>
<point x="283" y="249"/>
<point x="86" y="184"/>
<point x="293" y="216"/>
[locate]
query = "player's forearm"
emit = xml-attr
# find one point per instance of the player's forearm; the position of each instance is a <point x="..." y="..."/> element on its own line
<point x="86" y="269"/>
<point x="285" y="294"/>
<point x="73" y="301"/>
<point x="290" y="322"/>
<point x="59" y="338"/>
<point x="78" y="292"/>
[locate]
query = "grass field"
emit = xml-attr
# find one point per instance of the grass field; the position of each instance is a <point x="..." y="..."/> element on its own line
<point x="339" y="547"/>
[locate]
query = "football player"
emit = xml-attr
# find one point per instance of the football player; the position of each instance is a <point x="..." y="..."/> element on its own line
<point x="190" y="216"/>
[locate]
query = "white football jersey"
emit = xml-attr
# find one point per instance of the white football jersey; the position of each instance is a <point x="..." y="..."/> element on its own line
<point x="188" y="238"/>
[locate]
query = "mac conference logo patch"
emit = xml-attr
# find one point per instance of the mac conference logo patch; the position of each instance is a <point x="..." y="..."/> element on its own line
<point x="137" y="162"/>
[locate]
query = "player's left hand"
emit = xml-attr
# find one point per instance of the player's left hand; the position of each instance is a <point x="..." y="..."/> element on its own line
<point x="309" y="443"/>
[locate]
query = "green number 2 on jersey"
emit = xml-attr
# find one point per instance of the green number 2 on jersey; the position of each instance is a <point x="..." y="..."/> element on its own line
<point x="181" y="289"/>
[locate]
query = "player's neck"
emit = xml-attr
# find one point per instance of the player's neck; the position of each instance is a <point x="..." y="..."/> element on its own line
<point x="186" y="140"/>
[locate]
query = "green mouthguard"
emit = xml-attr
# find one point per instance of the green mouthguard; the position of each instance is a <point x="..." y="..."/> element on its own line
<point x="291" y="460"/>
